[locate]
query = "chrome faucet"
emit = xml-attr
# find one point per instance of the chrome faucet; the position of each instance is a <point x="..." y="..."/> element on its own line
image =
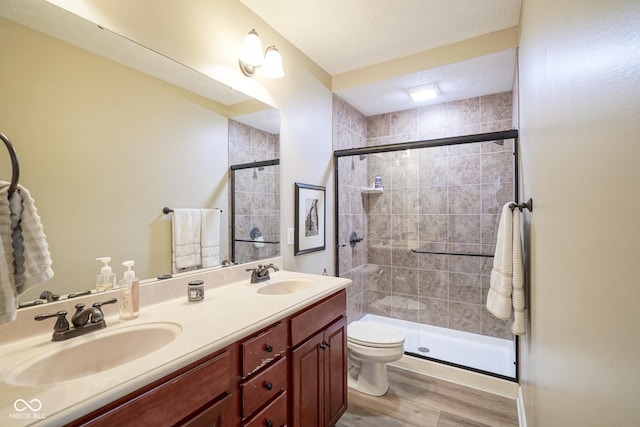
<point x="84" y="321"/>
<point x="261" y="272"/>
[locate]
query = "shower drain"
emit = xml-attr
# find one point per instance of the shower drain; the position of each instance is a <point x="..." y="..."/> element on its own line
<point x="423" y="349"/>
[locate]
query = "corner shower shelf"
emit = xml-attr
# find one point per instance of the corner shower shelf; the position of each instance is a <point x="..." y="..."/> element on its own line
<point x="371" y="190"/>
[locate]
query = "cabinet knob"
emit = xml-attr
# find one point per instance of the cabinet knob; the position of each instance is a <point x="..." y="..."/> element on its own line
<point x="268" y="386"/>
<point x="269" y="348"/>
<point x="323" y="346"/>
<point x="269" y="423"/>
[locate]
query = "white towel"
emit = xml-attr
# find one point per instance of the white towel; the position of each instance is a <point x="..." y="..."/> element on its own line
<point x="518" y="326"/>
<point x="501" y="281"/>
<point x="507" y="275"/>
<point x="185" y="227"/>
<point x="210" y="237"/>
<point x="25" y="260"/>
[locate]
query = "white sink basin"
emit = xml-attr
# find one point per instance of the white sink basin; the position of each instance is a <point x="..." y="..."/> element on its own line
<point x="285" y="286"/>
<point x="92" y="353"/>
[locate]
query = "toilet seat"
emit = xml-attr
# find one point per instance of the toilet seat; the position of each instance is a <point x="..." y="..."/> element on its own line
<point x="371" y="334"/>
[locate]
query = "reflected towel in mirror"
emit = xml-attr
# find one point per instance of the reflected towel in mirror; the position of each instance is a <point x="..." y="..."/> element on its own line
<point x="210" y="237"/>
<point x="185" y="226"/>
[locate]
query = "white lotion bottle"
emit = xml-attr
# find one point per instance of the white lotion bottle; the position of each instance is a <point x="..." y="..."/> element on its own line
<point x="129" y="293"/>
<point x="106" y="280"/>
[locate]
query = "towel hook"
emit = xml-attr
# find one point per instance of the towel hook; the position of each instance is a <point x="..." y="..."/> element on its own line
<point x="528" y="205"/>
<point x="15" y="166"/>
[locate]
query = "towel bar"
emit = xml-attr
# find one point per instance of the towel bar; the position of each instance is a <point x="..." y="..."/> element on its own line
<point x="167" y="210"/>
<point x="528" y="205"/>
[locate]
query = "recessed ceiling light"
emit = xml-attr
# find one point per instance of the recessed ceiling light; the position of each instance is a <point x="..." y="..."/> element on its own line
<point x="424" y="92"/>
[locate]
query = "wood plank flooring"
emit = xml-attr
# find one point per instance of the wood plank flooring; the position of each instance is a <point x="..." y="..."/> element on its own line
<point x="422" y="401"/>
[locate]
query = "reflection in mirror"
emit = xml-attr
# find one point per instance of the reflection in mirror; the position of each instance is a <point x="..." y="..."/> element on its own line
<point x="255" y="189"/>
<point x="105" y="144"/>
<point x="255" y="220"/>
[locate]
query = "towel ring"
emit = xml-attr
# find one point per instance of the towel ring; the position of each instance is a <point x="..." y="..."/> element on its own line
<point x="15" y="166"/>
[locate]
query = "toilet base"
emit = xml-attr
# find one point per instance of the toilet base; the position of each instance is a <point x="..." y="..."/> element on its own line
<point x="369" y="378"/>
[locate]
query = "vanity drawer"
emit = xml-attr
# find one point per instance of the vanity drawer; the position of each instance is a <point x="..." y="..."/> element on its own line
<point x="273" y="415"/>
<point x="263" y="348"/>
<point x="164" y="404"/>
<point x="263" y="387"/>
<point x="317" y="317"/>
<point x="218" y="414"/>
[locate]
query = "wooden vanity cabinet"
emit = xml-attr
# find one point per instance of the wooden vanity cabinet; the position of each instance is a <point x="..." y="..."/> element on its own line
<point x="318" y="389"/>
<point x="292" y="373"/>
<point x="197" y="395"/>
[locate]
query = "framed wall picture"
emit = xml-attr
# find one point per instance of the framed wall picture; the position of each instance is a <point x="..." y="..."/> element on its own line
<point x="310" y="219"/>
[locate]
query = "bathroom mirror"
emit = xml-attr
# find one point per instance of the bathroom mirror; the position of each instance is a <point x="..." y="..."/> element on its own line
<point x="107" y="135"/>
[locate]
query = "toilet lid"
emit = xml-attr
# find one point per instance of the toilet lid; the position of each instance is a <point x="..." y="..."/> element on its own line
<point x="373" y="334"/>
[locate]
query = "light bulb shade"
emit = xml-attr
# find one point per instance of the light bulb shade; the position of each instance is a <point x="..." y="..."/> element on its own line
<point x="251" y="53"/>
<point x="273" y="63"/>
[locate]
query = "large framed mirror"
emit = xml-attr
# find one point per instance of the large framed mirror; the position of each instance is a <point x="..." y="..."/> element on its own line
<point x="108" y="133"/>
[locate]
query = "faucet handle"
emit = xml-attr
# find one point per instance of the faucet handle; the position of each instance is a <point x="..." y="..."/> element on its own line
<point x="61" y="324"/>
<point x="100" y="304"/>
<point x="98" y="315"/>
<point x="49" y="296"/>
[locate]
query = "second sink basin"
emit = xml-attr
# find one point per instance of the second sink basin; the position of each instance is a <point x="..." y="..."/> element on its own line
<point x="93" y="353"/>
<point x="285" y="286"/>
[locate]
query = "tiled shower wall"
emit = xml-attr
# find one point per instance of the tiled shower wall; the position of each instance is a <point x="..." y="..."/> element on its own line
<point x="257" y="191"/>
<point x="440" y="198"/>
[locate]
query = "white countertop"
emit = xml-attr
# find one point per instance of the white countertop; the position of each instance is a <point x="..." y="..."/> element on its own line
<point x="229" y="312"/>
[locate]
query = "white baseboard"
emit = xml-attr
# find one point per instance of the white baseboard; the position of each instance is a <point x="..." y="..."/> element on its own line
<point x="464" y="377"/>
<point x="522" y="419"/>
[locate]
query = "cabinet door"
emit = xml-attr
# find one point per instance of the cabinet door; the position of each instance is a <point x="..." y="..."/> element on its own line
<point x="335" y="368"/>
<point x="307" y="383"/>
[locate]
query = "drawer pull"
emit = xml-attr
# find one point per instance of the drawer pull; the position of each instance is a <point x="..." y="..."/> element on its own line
<point x="325" y="345"/>
<point x="268" y="348"/>
<point x="268" y="386"/>
<point x="269" y="423"/>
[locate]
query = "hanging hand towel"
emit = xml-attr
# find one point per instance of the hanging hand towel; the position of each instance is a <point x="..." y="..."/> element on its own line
<point x="518" y="326"/>
<point x="210" y="237"/>
<point x="501" y="280"/>
<point x="24" y="249"/>
<point x="185" y="227"/>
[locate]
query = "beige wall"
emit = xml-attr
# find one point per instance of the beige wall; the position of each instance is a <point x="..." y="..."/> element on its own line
<point x="103" y="149"/>
<point x="579" y="109"/>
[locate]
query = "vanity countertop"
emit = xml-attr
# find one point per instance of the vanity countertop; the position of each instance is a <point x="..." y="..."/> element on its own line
<point x="228" y="313"/>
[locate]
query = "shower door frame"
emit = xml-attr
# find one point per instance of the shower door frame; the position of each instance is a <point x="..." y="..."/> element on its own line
<point x="439" y="142"/>
<point x="232" y="196"/>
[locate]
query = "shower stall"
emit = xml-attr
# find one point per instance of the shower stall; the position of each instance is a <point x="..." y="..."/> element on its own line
<point x="417" y="226"/>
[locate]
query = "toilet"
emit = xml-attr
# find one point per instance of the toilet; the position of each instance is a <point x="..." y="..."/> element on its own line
<point x="370" y="346"/>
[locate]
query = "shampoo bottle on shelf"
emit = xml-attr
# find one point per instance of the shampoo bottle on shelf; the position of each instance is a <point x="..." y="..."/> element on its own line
<point x="106" y="280"/>
<point x="129" y="293"/>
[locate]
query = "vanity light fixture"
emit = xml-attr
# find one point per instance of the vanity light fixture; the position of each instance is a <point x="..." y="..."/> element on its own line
<point x="251" y="57"/>
<point x="424" y="92"/>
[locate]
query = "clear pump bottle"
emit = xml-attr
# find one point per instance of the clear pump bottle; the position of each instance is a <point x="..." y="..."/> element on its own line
<point x="106" y="280"/>
<point x="129" y="293"/>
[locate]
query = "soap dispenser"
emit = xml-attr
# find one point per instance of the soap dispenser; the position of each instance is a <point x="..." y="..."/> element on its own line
<point x="106" y="280"/>
<point x="129" y="293"/>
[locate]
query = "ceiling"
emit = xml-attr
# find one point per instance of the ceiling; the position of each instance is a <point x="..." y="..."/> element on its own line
<point x="350" y="37"/>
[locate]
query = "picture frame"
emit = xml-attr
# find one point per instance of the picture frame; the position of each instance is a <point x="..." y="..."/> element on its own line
<point x="310" y="218"/>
